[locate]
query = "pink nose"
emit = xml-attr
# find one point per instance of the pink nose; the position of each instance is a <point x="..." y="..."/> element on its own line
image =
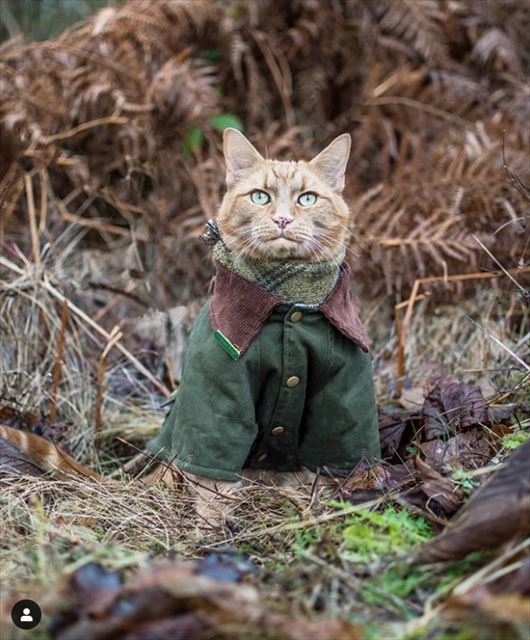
<point x="282" y="221"/>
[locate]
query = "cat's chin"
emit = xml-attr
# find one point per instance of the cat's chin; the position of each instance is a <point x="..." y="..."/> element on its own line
<point x="283" y="248"/>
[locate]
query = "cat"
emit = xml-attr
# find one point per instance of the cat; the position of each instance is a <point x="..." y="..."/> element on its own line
<point x="277" y="381"/>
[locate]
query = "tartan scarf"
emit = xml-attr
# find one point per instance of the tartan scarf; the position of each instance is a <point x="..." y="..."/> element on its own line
<point x="292" y="281"/>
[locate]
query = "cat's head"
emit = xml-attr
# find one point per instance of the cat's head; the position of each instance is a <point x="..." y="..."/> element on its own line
<point x="276" y="210"/>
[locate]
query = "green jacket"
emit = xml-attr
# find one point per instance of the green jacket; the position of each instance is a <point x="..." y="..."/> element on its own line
<point x="299" y="395"/>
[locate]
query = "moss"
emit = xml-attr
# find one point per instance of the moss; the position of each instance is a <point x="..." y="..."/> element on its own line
<point x="369" y="534"/>
<point x="514" y="440"/>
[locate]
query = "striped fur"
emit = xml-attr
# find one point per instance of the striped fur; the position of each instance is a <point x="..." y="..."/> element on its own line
<point x="45" y="454"/>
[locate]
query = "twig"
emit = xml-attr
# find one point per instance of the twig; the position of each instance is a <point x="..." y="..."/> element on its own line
<point x="103" y="226"/>
<point x="81" y="314"/>
<point x="506" y="273"/>
<point x="310" y="522"/>
<point x="32" y="219"/>
<point x="416" y="104"/>
<point x="480" y="575"/>
<point x="43" y="181"/>
<point x="86" y="126"/>
<point x="58" y="365"/>
<point x="495" y="339"/>
<point x="402" y="327"/>
<point x="515" y="180"/>
<point x="115" y="335"/>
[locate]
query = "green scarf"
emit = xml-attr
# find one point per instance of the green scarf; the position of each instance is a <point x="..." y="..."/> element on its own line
<point x="292" y="280"/>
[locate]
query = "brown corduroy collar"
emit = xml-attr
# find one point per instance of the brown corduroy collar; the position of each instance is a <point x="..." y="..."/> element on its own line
<point x="239" y="309"/>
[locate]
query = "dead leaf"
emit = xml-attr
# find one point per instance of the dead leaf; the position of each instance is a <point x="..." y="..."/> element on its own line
<point x="367" y="482"/>
<point x="451" y="406"/>
<point x="412" y="398"/>
<point x="177" y="601"/>
<point x="480" y="603"/>
<point x="496" y="513"/>
<point x="396" y="430"/>
<point x="13" y="460"/>
<point x="517" y="581"/>
<point x="444" y="498"/>
<point x="466" y="450"/>
<point x="321" y="630"/>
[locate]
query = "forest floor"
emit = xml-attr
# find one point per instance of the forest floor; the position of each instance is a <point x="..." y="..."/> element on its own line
<point x="305" y="562"/>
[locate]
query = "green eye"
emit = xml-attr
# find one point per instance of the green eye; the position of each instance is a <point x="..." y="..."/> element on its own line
<point x="307" y="199"/>
<point x="260" y="197"/>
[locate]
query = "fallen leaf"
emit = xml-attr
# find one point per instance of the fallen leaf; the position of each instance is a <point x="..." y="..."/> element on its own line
<point x="321" y="630"/>
<point x="513" y="610"/>
<point x="466" y="450"/>
<point x="496" y="513"/>
<point x="177" y="601"/>
<point x="396" y="430"/>
<point x="443" y="497"/>
<point x="451" y="406"/>
<point x="14" y="461"/>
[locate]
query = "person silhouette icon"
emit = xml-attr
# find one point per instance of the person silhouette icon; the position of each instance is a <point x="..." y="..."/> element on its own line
<point x="26" y="616"/>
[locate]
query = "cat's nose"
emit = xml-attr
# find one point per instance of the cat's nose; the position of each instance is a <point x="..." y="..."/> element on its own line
<point x="282" y="221"/>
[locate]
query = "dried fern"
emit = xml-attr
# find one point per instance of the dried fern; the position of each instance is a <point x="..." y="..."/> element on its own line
<point x="430" y="90"/>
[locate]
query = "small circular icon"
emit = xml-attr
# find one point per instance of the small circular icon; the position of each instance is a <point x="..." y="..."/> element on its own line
<point x="26" y="614"/>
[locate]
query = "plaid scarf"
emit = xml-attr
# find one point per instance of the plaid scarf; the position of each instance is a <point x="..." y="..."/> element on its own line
<point x="293" y="281"/>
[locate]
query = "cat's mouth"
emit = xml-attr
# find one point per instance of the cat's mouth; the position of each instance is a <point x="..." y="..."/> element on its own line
<point x="282" y="237"/>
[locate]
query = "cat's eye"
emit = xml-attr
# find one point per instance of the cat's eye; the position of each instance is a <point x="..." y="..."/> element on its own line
<point x="307" y="199"/>
<point x="260" y="197"/>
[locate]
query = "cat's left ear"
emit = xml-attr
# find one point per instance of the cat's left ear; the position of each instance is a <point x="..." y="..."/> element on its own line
<point x="331" y="163"/>
<point x="240" y="154"/>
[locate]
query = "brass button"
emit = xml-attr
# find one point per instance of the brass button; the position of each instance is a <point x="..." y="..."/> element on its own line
<point x="277" y="430"/>
<point x="262" y="457"/>
<point x="296" y="316"/>
<point x="293" y="381"/>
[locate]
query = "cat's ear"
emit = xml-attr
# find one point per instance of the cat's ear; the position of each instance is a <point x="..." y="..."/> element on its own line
<point x="239" y="153"/>
<point x="331" y="163"/>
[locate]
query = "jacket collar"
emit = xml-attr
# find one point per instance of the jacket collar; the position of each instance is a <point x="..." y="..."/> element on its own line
<point x="239" y="308"/>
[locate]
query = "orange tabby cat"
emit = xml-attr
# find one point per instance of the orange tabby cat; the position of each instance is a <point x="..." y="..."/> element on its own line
<point x="273" y="213"/>
<point x="274" y="218"/>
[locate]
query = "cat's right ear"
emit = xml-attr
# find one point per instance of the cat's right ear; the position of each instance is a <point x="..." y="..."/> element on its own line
<point x="240" y="155"/>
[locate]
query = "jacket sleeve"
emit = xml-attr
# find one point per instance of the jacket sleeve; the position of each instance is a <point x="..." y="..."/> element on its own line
<point x="211" y="425"/>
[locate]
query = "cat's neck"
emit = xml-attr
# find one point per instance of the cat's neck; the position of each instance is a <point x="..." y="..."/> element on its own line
<point x="292" y="280"/>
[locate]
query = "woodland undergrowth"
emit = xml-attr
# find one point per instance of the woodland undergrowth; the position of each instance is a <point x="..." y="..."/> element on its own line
<point x="111" y="163"/>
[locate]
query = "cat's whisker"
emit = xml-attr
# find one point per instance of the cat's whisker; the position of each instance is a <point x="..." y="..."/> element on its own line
<point x="318" y="248"/>
<point x="249" y="243"/>
<point x="336" y="242"/>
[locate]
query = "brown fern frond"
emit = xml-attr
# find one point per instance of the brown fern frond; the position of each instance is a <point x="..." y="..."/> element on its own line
<point x="428" y="89"/>
<point x="184" y="91"/>
<point x="414" y="24"/>
<point x="496" y="49"/>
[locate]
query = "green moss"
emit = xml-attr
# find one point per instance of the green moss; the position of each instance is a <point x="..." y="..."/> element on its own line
<point x="464" y="480"/>
<point x="513" y="440"/>
<point x="369" y="534"/>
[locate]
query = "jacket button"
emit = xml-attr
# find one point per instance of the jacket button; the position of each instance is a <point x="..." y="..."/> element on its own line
<point x="296" y="316"/>
<point x="293" y="381"/>
<point x="277" y="430"/>
<point x="262" y="457"/>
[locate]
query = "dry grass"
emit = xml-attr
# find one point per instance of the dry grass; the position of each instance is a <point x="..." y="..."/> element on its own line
<point x="105" y="184"/>
<point x="118" y="132"/>
<point x="293" y="537"/>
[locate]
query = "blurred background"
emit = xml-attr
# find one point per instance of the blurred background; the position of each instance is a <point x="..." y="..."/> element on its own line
<point x="111" y="119"/>
<point x="43" y="19"/>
